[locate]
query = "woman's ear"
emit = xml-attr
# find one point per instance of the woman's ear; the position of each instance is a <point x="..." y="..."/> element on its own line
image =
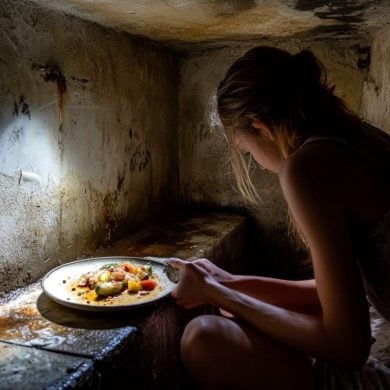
<point x="263" y="128"/>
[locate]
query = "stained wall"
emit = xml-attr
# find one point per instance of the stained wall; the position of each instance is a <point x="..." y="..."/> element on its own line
<point x="87" y="137"/>
<point x="100" y="131"/>
<point x="376" y="90"/>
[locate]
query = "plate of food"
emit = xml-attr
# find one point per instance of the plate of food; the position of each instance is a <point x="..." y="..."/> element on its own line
<point x="108" y="283"/>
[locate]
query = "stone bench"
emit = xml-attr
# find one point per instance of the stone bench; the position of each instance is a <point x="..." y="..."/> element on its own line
<point x="44" y="345"/>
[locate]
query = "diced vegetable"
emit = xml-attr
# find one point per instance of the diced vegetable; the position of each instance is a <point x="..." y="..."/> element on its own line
<point x="130" y="268"/>
<point x="133" y="286"/>
<point x="108" y="288"/>
<point x="82" y="282"/>
<point x="118" y="275"/>
<point x="105" y="276"/>
<point x="148" y="284"/>
<point x="142" y="274"/>
<point x="113" y="278"/>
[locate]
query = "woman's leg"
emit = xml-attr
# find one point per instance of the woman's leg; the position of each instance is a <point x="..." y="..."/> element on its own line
<point x="222" y="353"/>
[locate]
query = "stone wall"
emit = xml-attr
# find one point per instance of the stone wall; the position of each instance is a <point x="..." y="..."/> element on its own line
<point x="96" y="125"/>
<point x="87" y="137"/>
<point x="376" y="91"/>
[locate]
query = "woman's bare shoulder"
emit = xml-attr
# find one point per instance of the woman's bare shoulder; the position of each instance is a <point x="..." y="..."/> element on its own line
<point x="329" y="172"/>
<point x="319" y="165"/>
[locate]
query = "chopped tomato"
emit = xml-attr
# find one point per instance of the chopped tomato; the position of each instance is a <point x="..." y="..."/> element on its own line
<point x="148" y="284"/>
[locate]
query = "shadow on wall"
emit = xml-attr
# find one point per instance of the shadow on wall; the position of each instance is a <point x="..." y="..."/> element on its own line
<point x="271" y="252"/>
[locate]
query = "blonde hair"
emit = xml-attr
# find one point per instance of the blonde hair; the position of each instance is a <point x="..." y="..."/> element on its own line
<point x="289" y="94"/>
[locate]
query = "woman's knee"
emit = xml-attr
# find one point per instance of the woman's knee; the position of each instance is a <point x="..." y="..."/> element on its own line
<point x="211" y="346"/>
<point x="200" y="336"/>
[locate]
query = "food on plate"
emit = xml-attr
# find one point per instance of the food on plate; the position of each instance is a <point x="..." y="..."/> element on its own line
<point x="114" y="280"/>
<point x="106" y="289"/>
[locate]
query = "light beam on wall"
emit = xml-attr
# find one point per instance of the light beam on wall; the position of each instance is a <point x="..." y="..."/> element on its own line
<point x="30" y="146"/>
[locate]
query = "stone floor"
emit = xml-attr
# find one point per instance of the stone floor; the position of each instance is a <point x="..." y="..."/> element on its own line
<point x="44" y="345"/>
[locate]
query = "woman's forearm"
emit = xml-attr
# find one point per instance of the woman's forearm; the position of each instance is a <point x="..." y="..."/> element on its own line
<point x="300" y="296"/>
<point x="304" y="332"/>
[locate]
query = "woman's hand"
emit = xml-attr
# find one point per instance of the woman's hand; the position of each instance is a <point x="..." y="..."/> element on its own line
<point x="195" y="284"/>
<point x="220" y="275"/>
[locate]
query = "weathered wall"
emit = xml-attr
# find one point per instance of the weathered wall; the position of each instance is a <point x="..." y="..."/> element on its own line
<point x="92" y="112"/>
<point x="180" y="23"/>
<point x="376" y="91"/>
<point x="204" y="170"/>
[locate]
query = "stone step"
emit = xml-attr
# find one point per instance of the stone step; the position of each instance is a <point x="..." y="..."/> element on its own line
<point x="33" y="368"/>
<point x="139" y="348"/>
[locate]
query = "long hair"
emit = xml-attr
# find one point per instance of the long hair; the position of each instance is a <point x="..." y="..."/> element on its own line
<point x="289" y="93"/>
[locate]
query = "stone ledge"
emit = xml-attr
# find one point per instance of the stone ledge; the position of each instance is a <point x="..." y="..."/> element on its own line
<point x="25" y="367"/>
<point x="73" y="349"/>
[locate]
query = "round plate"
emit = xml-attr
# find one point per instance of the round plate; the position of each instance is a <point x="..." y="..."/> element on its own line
<point x="58" y="284"/>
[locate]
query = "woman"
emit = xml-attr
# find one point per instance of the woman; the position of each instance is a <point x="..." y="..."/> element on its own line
<point x="334" y="173"/>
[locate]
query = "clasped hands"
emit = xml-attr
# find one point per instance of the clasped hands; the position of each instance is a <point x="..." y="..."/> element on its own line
<point x="200" y="278"/>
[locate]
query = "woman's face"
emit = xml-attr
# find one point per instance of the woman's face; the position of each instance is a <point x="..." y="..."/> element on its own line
<point x="261" y="146"/>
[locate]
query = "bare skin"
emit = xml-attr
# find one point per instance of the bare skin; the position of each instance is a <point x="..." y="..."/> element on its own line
<point x="281" y="323"/>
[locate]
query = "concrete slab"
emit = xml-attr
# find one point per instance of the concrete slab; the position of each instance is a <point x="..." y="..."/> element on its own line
<point x="187" y="235"/>
<point x="28" y="317"/>
<point x="24" y="367"/>
<point x="142" y="345"/>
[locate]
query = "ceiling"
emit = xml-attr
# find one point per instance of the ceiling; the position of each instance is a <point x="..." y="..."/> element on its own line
<point x="182" y="22"/>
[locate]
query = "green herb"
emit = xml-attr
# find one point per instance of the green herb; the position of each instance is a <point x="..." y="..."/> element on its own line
<point x="106" y="266"/>
<point x="149" y="269"/>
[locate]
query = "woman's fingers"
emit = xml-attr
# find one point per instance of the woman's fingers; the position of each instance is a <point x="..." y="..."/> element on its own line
<point x="192" y="288"/>
<point x="184" y="302"/>
<point x="192" y="305"/>
<point x="175" y="293"/>
<point x="177" y="263"/>
<point x="189" y="305"/>
<point x="226" y="313"/>
<point x="180" y="264"/>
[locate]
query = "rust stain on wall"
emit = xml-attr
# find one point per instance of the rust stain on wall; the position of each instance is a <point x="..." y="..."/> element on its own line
<point x="52" y="73"/>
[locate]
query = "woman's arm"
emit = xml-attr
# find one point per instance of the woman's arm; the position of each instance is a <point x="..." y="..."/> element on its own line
<point x="319" y="191"/>
<point x="303" y="332"/>
<point x="300" y="296"/>
<point x="317" y="197"/>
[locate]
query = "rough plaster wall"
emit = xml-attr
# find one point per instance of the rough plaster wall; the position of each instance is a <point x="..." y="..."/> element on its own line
<point x="204" y="170"/>
<point x="105" y="163"/>
<point x="175" y="21"/>
<point x="376" y="91"/>
<point x="179" y="23"/>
